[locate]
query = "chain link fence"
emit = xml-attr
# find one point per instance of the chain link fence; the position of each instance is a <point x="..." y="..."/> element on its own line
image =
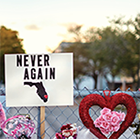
<point x="56" y="116"/>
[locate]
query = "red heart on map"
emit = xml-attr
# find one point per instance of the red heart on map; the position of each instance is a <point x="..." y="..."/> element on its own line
<point x="111" y="103"/>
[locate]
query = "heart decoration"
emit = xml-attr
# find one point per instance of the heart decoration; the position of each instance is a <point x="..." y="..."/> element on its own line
<point x="111" y="103"/>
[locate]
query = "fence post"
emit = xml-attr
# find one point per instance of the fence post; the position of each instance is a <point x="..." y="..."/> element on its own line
<point x="42" y="122"/>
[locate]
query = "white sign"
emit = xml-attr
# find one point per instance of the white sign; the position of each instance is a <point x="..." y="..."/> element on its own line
<point x="39" y="79"/>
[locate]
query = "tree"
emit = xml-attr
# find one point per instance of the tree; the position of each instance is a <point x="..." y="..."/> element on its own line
<point x="93" y="52"/>
<point x="10" y="43"/>
<point x="130" y="60"/>
<point x="111" y="49"/>
<point x="79" y="61"/>
<point x="86" y="58"/>
<point x="136" y="25"/>
<point x="114" y="49"/>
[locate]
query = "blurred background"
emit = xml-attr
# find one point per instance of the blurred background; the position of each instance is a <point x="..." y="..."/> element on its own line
<point x="104" y="37"/>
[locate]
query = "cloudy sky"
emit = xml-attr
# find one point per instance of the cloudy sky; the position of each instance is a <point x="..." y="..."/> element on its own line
<point x="41" y="23"/>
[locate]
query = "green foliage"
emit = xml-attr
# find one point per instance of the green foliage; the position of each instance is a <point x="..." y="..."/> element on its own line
<point x="10" y="43"/>
<point x="80" y="61"/>
<point x="114" y="49"/>
<point x="137" y="126"/>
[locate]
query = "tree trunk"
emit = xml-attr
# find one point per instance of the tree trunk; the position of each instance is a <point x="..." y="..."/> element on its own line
<point x="95" y="77"/>
<point x="113" y="83"/>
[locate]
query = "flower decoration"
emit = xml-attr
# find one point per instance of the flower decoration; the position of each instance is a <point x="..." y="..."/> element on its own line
<point x="18" y="127"/>
<point x="109" y="121"/>
<point x="2" y="115"/>
<point x="68" y="131"/>
<point x="109" y="102"/>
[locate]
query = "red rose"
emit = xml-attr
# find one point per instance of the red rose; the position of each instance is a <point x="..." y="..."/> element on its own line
<point x="66" y="127"/>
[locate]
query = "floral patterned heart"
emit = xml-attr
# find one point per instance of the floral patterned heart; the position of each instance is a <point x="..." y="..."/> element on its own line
<point x="111" y="103"/>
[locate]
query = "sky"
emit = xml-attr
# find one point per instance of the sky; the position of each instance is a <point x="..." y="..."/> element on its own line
<point x="42" y="23"/>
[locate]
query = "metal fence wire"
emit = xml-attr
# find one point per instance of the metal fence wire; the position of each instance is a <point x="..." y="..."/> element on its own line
<point x="56" y="116"/>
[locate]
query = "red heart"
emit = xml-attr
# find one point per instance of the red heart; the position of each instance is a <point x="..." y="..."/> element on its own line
<point x="111" y="103"/>
<point x="46" y="96"/>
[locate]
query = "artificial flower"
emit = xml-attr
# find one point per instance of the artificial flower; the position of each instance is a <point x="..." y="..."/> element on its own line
<point x="68" y="131"/>
<point x="58" y="136"/>
<point x="2" y="115"/>
<point x="109" y="121"/>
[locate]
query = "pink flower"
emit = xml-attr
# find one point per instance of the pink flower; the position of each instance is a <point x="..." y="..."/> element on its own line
<point x="115" y="113"/>
<point x="105" y="124"/>
<point x="105" y="110"/>
<point x="58" y="136"/>
<point x="115" y="120"/>
<point x="104" y="131"/>
<point x="107" y="116"/>
<point x="116" y="127"/>
<point x="122" y="116"/>
<point x="109" y="121"/>
<point x="101" y="118"/>
<point x="97" y="122"/>
<point x="110" y="128"/>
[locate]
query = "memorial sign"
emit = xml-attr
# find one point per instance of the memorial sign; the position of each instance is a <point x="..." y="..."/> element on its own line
<point x="39" y="79"/>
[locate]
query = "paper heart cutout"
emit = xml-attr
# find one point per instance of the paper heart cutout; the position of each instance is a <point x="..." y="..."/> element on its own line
<point x="111" y="103"/>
